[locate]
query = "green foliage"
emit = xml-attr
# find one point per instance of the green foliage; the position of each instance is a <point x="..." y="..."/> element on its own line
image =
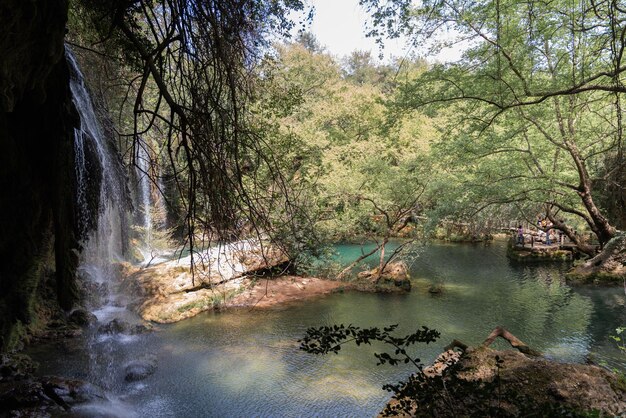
<point x="184" y="84"/>
<point x="348" y="152"/>
<point x="329" y="339"/>
<point x="619" y="339"/>
<point x="531" y="113"/>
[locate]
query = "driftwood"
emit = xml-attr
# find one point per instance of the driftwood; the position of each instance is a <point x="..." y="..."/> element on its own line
<point x="512" y="339"/>
<point x="497" y="332"/>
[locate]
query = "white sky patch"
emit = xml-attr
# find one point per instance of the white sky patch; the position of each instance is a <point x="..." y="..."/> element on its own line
<point x="339" y="26"/>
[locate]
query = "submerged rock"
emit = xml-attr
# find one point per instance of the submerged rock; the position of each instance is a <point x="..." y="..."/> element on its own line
<point x="118" y="326"/>
<point x="140" y="369"/>
<point x="435" y="289"/>
<point x="82" y="318"/>
<point x="115" y="326"/>
<point x="284" y="289"/>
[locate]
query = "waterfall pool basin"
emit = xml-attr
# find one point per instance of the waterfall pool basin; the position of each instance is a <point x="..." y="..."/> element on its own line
<point x="247" y="363"/>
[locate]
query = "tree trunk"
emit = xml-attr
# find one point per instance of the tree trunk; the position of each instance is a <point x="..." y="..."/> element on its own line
<point x="355" y="262"/>
<point x="571" y="234"/>
<point x="599" y="224"/>
<point x="381" y="262"/>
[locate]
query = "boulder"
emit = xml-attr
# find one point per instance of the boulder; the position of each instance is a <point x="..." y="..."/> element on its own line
<point x="82" y="318"/>
<point x="140" y="369"/>
<point x="395" y="277"/>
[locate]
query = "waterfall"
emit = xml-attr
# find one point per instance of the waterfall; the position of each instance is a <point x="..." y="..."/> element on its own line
<point x="103" y="216"/>
<point x="143" y="173"/>
<point x="148" y="198"/>
<point x="100" y="191"/>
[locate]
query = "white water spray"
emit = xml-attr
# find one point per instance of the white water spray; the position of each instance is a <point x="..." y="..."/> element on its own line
<point x="104" y="245"/>
<point x="149" y="188"/>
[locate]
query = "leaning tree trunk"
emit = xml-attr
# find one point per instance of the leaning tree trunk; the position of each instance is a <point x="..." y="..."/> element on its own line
<point x="608" y="266"/>
<point x="352" y="265"/>
<point x="596" y="220"/>
<point x="571" y="234"/>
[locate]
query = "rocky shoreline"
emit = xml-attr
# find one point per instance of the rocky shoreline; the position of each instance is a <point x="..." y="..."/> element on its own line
<point x="480" y="381"/>
<point x="179" y="289"/>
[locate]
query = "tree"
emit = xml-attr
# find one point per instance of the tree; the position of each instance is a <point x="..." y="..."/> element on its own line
<point x="368" y="177"/>
<point x="539" y="86"/>
<point x="195" y="84"/>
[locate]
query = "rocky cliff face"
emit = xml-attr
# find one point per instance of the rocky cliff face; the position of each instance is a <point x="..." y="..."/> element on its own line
<point x="37" y="221"/>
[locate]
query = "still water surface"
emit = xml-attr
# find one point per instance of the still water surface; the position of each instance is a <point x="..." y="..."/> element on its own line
<point x="247" y="363"/>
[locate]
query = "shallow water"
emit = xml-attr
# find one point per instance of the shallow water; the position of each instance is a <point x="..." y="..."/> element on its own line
<point x="247" y="363"/>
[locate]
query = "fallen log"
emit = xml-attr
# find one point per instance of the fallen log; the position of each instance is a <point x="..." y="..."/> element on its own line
<point x="512" y="339"/>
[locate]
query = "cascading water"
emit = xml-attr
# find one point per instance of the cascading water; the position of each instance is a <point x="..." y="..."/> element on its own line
<point x="150" y="201"/>
<point x="143" y="172"/>
<point x="100" y="184"/>
<point x="103" y="213"/>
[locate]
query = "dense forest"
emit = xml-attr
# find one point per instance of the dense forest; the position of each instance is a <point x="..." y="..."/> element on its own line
<point x="169" y="157"/>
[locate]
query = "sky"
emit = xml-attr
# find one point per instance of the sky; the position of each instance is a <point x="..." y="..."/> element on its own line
<point x="339" y="26"/>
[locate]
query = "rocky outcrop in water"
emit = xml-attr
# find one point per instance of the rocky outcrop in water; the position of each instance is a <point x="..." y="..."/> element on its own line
<point x="480" y="381"/>
<point x="537" y="253"/>
<point x="395" y="277"/>
<point x="609" y="266"/>
<point x="529" y="385"/>
<point x="171" y="291"/>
